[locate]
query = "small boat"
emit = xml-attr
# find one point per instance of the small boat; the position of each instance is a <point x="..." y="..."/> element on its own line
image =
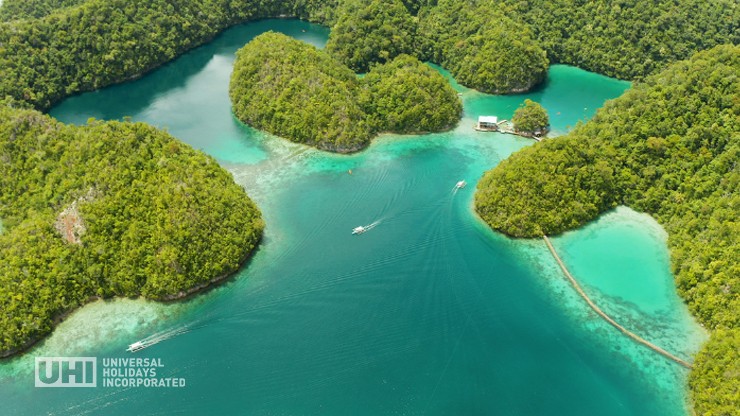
<point x="460" y="184"/>
<point x="136" y="346"/>
<point x="358" y="230"/>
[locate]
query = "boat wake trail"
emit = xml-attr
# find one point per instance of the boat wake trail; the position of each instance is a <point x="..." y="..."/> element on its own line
<point x="158" y="337"/>
<point x="365" y="228"/>
<point x="461" y="184"/>
<point x="373" y="225"/>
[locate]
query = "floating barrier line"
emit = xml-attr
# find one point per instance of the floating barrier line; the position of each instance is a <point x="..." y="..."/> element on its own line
<point x="606" y="317"/>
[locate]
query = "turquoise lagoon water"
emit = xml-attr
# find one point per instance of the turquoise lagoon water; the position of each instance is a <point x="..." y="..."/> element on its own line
<point x="429" y="313"/>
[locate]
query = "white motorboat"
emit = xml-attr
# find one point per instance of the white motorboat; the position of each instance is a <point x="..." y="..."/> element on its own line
<point x="364" y="228"/>
<point x="460" y="184"/>
<point x="136" y="346"/>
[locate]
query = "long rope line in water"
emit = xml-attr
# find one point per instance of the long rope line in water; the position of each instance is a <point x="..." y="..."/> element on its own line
<point x="606" y="317"/>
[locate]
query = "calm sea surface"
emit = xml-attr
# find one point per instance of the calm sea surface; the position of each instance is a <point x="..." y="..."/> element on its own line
<point x="429" y="313"/>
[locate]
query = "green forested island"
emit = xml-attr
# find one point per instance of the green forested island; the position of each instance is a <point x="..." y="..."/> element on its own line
<point x="531" y="118"/>
<point x="103" y="42"/>
<point x="294" y="90"/>
<point x="372" y="32"/>
<point x="109" y="209"/>
<point x="54" y="48"/>
<point x="407" y="96"/>
<point x="669" y="147"/>
<point x="481" y="46"/>
<point x="627" y="39"/>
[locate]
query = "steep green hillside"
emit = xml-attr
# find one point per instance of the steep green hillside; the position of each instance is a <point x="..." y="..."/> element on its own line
<point x="29" y="9"/>
<point x="78" y="45"/>
<point x="407" y="96"/>
<point x="292" y="89"/>
<point x="670" y="147"/>
<point x="371" y="32"/>
<point x="101" y="42"/>
<point x="296" y="91"/>
<point x="627" y="39"/>
<point x="108" y="209"/>
<point x="481" y="46"/>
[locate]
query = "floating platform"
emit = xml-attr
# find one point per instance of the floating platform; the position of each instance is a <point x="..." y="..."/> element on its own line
<point x="504" y="126"/>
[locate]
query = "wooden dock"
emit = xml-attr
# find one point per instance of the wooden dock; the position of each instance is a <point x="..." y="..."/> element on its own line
<point x="507" y="127"/>
<point x="606" y="317"/>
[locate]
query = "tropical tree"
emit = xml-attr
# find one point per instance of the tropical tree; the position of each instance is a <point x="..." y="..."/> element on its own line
<point x="530" y="118"/>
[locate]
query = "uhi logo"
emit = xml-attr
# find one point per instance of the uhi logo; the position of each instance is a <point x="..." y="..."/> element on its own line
<point x="66" y="372"/>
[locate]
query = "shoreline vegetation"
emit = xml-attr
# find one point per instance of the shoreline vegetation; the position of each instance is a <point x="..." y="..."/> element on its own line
<point x="531" y="120"/>
<point x="180" y="296"/>
<point x="51" y="49"/>
<point x="294" y="90"/>
<point x="56" y="48"/>
<point x="481" y="46"/>
<point x="109" y="209"/>
<point x="668" y="147"/>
